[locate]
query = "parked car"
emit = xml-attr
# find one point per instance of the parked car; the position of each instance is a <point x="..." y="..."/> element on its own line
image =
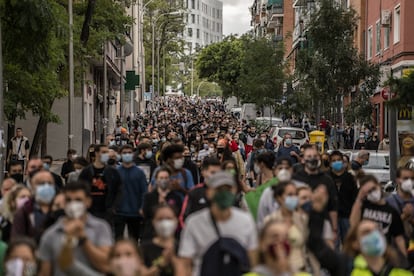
<point x="299" y="136"/>
<point x="378" y="165"/>
<point x="270" y="121"/>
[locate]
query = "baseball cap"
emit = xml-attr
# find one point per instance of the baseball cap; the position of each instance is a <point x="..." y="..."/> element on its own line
<point x="220" y="179"/>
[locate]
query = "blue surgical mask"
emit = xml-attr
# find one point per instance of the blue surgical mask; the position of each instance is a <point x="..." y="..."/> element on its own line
<point x="337" y="166"/>
<point x="148" y="154"/>
<point x="127" y="157"/>
<point x="104" y="158"/>
<point x="46" y="166"/>
<point x="291" y="202"/>
<point x="373" y="244"/>
<point x="365" y="162"/>
<point x="288" y="142"/>
<point x="45" y="193"/>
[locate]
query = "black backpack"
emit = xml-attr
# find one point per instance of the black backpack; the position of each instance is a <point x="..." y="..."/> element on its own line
<point x="225" y="257"/>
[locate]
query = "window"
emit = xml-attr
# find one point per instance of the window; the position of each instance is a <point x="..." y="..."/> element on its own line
<point x="190" y="32"/>
<point x="193" y="18"/>
<point x="378" y="37"/>
<point x="397" y="22"/>
<point x="369" y="43"/>
<point x="193" y="4"/>
<point x="198" y="33"/>
<point x="198" y="19"/>
<point x="387" y="37"/>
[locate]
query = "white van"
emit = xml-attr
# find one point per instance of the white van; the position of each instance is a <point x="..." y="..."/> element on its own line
<point x="248" y="112"/>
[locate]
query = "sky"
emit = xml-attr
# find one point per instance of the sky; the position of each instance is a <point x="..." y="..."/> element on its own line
<point x="236" y="16"/>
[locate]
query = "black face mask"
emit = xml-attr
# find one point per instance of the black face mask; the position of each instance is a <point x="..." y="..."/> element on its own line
<point x="18" y="177"/>
<point x="32" y="173"/>
<point x="312" y="164"/>
<point x="220" y="150"/>
<point x="111" y="162"/>
<point x="326" y="163"/>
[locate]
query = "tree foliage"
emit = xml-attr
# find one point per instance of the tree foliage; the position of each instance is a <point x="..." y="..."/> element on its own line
<point x="329" y="64"/>
<point x="403" y="89"/>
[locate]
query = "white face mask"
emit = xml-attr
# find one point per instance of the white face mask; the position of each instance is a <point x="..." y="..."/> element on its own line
<point x="165" y="228"/>
<point x="374" y="196"/>
<point x="178" y="163"/>
<point x="75" y="209"/>
<point x="284" y="175"/>
<point x="407" y="186"/>
<point x="257" y="169"/>
<point x="18" y="267"/>
<point x="125" y="266"/>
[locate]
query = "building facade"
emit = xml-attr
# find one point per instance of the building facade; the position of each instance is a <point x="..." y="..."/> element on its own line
<point x="390" y="43"/>
<point x="204" y="23"/>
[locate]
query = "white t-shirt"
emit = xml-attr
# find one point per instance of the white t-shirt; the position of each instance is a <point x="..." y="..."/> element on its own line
<point x="199" y="234"/>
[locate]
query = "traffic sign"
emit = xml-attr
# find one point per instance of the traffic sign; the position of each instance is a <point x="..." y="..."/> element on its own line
<point x="385" y="93"/>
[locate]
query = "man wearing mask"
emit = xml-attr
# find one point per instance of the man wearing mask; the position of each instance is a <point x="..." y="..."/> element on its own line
<point x="34" y="165"/>
<point x="68" y="166"/>
<point x="145" y="161"/>
<point x="385" y="143"/>
<point x="201" y="231"/>
<point x="373" y="143"/>
<point x="196" y="199"/>
<point x="190" y="165"/>
<point x="347" y="192"/>
<point x="16" y="171"/>
<point x="79" y="243"/>
<point x="371" y="205"/>
<point x="133" y="191"/>
<point x="173" y="157"/>
<point x="312" y="176"/>
<point x="105" y="183"/>
<point x="361" y="160"/>
<point x="288" y="149"/>
<point x="403" y="200"/>
<point x="250" y="137"/>
<point x="29" y="219"/>
<point x="47" y="164"/>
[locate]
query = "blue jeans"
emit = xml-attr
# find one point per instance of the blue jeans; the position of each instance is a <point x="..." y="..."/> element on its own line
<point x="343" y="227"/>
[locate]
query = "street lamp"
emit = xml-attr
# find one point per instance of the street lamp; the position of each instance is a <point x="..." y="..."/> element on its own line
<point x="153" y="42"/>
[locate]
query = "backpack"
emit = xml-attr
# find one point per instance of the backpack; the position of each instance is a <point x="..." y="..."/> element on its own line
<point x="226" y="256"/>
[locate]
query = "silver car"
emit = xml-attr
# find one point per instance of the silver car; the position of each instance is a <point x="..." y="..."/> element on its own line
<point x="378" y="165"/>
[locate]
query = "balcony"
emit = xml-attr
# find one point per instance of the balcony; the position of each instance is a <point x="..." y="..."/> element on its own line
<point x="275" y="22"/>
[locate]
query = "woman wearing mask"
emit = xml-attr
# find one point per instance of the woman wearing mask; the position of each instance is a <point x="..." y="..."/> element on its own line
<point x="371" y="205"/>
<point x="20" y="258"/>
<point x="360" y="143"/>
<point x="274" y="251"/>
<point x="79" y="164"/>
<point x="14" y="200"/>
<point x="125" y="260"/>
<point x="160" y="252"/>
<point x="162" y="194"/>
<point x="285" y="194"/>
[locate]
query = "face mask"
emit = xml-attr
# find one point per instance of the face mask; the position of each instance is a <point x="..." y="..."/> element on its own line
<point x="111" y="162"/>
<point x="291" y="202"/>
<point x="78" y="170"/>
<point x="32" y="173"/>
<point x="127" y="157"/>
<point x="256" y="169"/>
<point x="118" y="157"/>
<point x="220" y="150"/>
<point x="45" y="193"/>
<point x="75" y="209"/>
<point x="337" y="166"/>
<point x="198" y="138"/>
<point x="307" y="206"/>
<point x="104" y="158"/>
<point x="18" y="177"/>
<point x="374" y="196"/>
<point x="124" y="266"/>
<point x="361" y="136"/>
<point x="232" y="171"/>
<point x="192" y="149"/>
<point x="288" y="142"/>
<point x="205" y="146"/>
<point x="373" y="244"/>
<point x="74" y="156"/>
<point x="163" y="139"/>
<point x="163" y="184"/>
<point x="46" y="166"/>
<point x="284" y="175"/>
<point x="224" y="199"/>
<point x="365" y="162"/>
<point x="178" y="163"/>
<point x="312" y="164"/>
<point x="148" y="154"/>
<point x="263" y="139"/>
<point x="20" y="202"/>
<point x="407" y="186"/>
<point x="165" y="228"/>
<point x="154" y="141"/>
<point x="112" y="143"/>
<point x="18" y="267"/>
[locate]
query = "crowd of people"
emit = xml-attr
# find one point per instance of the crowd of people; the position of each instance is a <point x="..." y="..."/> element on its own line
<point x="188" y="189"/>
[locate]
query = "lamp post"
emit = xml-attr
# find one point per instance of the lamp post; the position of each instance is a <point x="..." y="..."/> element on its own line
<point x="153" y="42"/>
<point x="71" y="77"/>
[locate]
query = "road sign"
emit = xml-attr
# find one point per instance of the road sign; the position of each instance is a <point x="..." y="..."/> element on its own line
<point x="405" y="114"/>
<point x="385" y="93"/>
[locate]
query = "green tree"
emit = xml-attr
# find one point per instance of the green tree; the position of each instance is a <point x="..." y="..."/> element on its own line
<point x="222" y="63"/>
<point x="262" y="72"/>
<point x="329" y="65"/>
<point x="403" y="89"/>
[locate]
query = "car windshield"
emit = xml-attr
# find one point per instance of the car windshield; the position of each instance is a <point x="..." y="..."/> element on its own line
<point x="378" y="162"/>
<point x="296" y="134"/>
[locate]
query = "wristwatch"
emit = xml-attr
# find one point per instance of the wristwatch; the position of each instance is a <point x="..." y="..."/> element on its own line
<point x="82" y="240"/>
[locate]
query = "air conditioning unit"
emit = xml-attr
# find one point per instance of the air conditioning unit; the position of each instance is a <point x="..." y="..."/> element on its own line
<point x="385" y="17"/>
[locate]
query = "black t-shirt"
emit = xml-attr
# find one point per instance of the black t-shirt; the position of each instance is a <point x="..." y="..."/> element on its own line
<point x="347" y="193"/>
<point x="152" y="254"/>
<point x="386" y="216"/>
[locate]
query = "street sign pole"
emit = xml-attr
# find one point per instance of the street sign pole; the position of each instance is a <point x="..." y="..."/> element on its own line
<point x="393" y="136"/>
